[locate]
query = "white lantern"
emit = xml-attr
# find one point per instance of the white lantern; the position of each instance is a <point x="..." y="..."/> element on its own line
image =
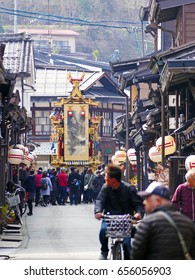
<point x="190" y="162"/>
<point x="20" y="146"/>
<point x="114" y="161"/>
<point x="131" y="155"/>
<point x="169" y="146"/>
<point x="15" y="156"/>
<point x="155" y="155"/>
<point x="28" y="159"/>
<point x="120" y="156"/>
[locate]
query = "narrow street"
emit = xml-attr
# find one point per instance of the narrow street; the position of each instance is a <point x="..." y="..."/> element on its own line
<point x="59" y="232"/>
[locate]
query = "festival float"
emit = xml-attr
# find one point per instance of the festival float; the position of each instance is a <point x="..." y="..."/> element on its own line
<point x="74" y="130"/>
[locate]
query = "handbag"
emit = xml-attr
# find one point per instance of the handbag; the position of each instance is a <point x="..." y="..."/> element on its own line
<point x="87" y="185"/>
<point x="182" y="242"/>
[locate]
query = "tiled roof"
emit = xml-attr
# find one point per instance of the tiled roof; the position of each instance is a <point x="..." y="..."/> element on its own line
<point x="18" y="54"/>
<point x="50" y="32"/>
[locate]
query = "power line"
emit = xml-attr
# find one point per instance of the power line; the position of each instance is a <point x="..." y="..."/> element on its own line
<point x="74" y="21"/>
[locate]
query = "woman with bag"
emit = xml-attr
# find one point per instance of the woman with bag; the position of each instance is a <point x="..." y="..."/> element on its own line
<point x="30" y="187"/>
<point x="88" y="187"/>
<point x="45" y="191"/>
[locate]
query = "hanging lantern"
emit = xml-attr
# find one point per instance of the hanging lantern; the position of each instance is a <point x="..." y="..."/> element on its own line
<point x="82" y="113"/>
<point x="155" y="155"/>
<point x="20" y="146"/>
<point x="190" y="162"/>
<point x="169" y="146"/>
<point x="70" y="113"/>
<point x="28" y="159"/>
<point x="15" y="156"/>
<point x="131" y="155"/>
<point x="114" y="161"/>
<point x="120" y="156"/>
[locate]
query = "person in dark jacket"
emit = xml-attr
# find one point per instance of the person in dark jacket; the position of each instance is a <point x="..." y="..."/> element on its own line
<point x="116" y="198"/>
<point x="30" y="186"/>
<point x="55" y="188"/>
<point x="155" y="237"/>
<point x="74" y="182"/>
<point x="184" y="196"/>
<point x="97" y="184"/>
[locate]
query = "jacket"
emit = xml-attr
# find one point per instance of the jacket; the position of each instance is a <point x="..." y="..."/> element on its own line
<point x="123" y="200"/>
<point x="156" y="239"/>
<point x="38" y="178"/>
<point x="29" y="184"/>
<point x="184" y="200"/>
<point x="49" y="188"/>
<point x="63" y="179"/>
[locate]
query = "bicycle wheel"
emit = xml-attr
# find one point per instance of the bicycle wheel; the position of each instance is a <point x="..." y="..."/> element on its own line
<point x="24" y="209"/>
<point x="117" y="251"/>
<point x="18" y="215"/>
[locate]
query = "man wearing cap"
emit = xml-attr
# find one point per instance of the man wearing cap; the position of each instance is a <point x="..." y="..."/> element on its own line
<point x="156" y="238"/>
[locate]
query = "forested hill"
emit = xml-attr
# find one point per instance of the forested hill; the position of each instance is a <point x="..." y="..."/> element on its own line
<point x="108" y="29"/>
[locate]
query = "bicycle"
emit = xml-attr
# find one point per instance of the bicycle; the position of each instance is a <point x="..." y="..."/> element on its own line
<point x="13" y="200"/>
<point x="118" y="228"/>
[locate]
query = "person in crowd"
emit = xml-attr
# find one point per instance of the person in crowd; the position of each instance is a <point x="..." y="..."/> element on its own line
<point x="97" y="184"/>
<point x="38" y="177"/>
<point x="88" y="187"/>
<point x="45" y="193"/>
<point x="63" y="184"/>
<point x="116" y="198"/>
<point x="82" y="192"/>
<point x="30" y="187"/>
<point x="155" y="237"/>
<point x="184" y="196"/>
<point x="74" y="181"/>
<point x="55" y="188"/>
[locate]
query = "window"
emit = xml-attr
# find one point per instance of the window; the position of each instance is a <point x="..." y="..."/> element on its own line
<point x="106" y="124"/>
<point x="42" y="123"/>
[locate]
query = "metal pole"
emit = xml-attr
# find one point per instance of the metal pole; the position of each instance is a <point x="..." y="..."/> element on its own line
<point x="15" y="17"/>
<point x="127" y="137"/>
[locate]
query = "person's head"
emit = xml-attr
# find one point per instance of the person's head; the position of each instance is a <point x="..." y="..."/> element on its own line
<point x="31" y="172"/>
<point x="40" y="170"/>
<point x="44" y="175"/>
<point x="63" y="169"/>
<point x="113" y="176"/>
<point x="72" y="169"/>
<point x="98" y="173"/>
<point x="89" y="171"/>
<point x="155" y="195"/>
<point x="190" y="178"/>
<point x="10" y="186"/>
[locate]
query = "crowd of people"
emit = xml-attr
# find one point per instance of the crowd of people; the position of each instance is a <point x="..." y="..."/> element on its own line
<point x="166" y="227"/>
<point x="59" y="186"/>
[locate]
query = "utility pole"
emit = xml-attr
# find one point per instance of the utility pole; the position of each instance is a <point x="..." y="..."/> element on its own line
<point x="15" y="17"/>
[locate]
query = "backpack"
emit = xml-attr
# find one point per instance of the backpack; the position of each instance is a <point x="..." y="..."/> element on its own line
<point x="44" y="184"/>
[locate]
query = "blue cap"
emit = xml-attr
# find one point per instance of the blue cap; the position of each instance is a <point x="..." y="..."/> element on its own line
<point x="156" y="188"/>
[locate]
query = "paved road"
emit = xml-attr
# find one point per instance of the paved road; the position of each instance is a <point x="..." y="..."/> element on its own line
<point x="60" y="232"/>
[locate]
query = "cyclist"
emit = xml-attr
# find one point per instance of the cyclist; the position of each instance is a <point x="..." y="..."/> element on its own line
<point x="116" y="198"/>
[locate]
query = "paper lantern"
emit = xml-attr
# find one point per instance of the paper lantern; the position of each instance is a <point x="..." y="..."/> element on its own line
<point x="155" y="155"/>
<point x="169" y="146"/>
<point x="28" y="159"/>
<point x="120" y="156"/>
<point x="190" y="162"/>
<point x="82" y="113"/>
<point x="114" y="161"/>
<point x="70" y="114"/>
<point x="131" y="155"/>
<point x="15" y="156"/>
<point x="20" y="146"/>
